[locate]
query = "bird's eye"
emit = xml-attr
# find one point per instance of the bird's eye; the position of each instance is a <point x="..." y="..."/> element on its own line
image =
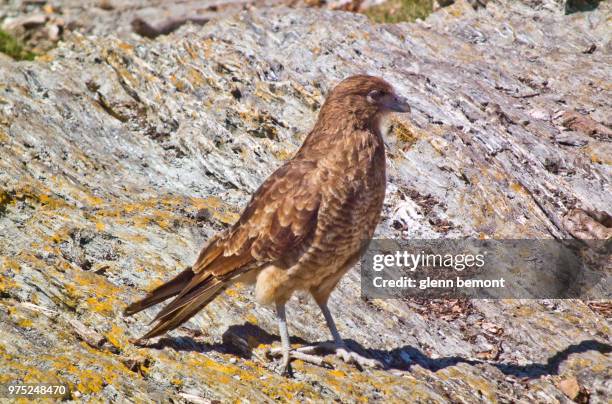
<point x="374" y="96"/>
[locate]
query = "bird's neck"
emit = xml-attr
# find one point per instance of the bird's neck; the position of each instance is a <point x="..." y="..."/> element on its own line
<point x="341" y="141"/>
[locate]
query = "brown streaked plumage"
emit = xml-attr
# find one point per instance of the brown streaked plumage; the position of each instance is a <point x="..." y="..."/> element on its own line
<point x="306" y="225"/>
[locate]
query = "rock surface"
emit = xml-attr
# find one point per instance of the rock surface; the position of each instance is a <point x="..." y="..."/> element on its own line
<point x="41" y="24"/>
<point x="119" y="157"/>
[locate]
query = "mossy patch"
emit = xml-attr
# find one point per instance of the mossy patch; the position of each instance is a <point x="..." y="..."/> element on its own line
<point x="393" y="11"/>
<point x="10" y="46"/>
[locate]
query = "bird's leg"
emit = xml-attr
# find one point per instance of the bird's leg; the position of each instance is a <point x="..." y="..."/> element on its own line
<point x="341" y="349"/>
<point x="284" y="334"/>
<point x="285" y="350"/>
<point x="331" y="324"/>
<point x="306" y="353"/>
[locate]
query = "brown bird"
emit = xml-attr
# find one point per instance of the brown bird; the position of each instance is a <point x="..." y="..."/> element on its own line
<point x="305" y="226"/>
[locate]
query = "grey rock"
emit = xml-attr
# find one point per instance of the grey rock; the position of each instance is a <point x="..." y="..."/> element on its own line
<point x="571" y="139"/>
<point x="111" y="145"/>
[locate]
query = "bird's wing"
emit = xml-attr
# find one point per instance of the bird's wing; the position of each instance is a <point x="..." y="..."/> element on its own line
<point x="280" y="216"/>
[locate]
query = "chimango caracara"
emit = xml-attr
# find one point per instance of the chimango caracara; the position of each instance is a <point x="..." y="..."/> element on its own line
<point x="305" y="226"/>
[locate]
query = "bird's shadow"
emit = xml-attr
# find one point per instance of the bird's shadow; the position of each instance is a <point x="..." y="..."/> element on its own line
<point x="529" y="371"/>
<point x="240" y="340"/>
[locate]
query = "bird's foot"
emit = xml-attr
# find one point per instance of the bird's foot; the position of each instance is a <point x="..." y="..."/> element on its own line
<point x="298" y="354"/>
<point x="285" y="369"/>
<point x="348" y="356"/>
<point x="310" y="354"/>
<point x="360" y="362"/>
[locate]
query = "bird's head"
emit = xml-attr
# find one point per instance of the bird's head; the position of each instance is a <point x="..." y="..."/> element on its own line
<point x="366" y="96"/>
<point x="358" y="102"/>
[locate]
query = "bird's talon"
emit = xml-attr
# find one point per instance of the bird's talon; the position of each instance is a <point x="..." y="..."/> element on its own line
<point x="353" y="358"/>
<point x="287" y="370"/>
<point x="297" y="354"/>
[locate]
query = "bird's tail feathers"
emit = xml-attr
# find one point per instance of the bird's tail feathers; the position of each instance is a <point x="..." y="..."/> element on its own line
<point x="183" y="307"/>
<point x="161" y="293"/>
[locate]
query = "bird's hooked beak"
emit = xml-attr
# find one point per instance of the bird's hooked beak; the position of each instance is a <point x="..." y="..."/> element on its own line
<point x="394" y="102"/>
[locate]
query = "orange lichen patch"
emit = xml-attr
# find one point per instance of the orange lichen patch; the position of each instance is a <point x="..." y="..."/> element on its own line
<point x="476" y="383"/>
<point x="100" y="305"/>
<point x="233" y="291"/>
<point x="195" y="77"/>
<point x="141" y="221"/>
<point x="90" y="382"/>
<point x="336" y="373"/>
<point x="218" y="374"/>
<point x="25" y="323"/>
<point x="262" y="90"/>
<point x="115" y="59"/>
<point x="251" y="319"/>
<point x="261" y="123"/>
<point x="136" y="238"/>
<point x="188" y="46"/>
<point x="288" y="390"/>
<point x="579" y="364"/>
<point x="599" y="153"/>
<point x="5" y="198"/>
<point x="47" y="247"/>
<point x="439" y="144"/>
<point x="219" y="209"/>
<point x="91" y="200"/>
<point x="207" y="45"/>
<point x="46" y="58"/>
<point x="60" y="236"/>
<point x="312" y="99"/>
<point x="90" y="369"/>
<point x="162" y="211"/>
<point x="349" y="381"/>
<point x="116" y="336"/>
<point x="206" y="203"/>
<point x="298" y="365"/>
<point x="96" y="283"/>
<point x="283" y="154"/>
<point x="155" y="283"/>
<point x="6" y="284"/>
<point x="31" y="374"/>
<point x="10" y="264"/>
<point x="405" y="133"/>
<point x="523" y="311"/>
<point x="163" y="220"/>
<point x="37" y="194"/>
<point x="517" y="187"/>
<point x="44" y="199"/>
<point x="101" y="295"/>
<point x="19" y="318"/>
<point x="125" y="46"/>
<point x="224" y="373"/>
<point x="178" y="83"/>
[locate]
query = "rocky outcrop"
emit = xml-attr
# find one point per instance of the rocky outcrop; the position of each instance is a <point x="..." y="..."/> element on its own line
<point x="119" y="157"/>
<point x="42" y="24"/>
